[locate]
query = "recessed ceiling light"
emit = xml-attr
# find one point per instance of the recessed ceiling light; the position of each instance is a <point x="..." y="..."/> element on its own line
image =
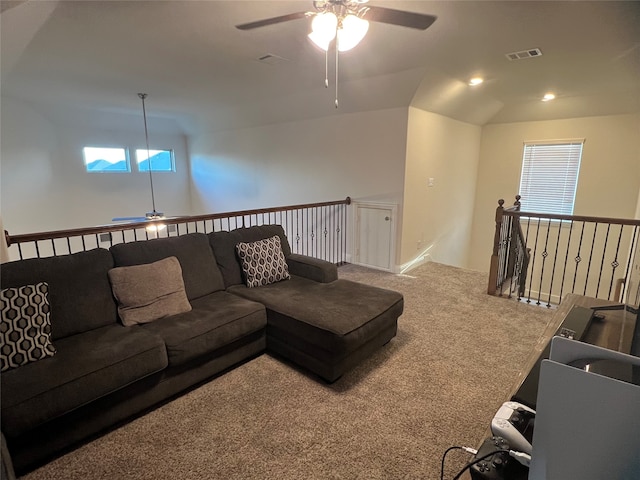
<point x="548" y="96"/>
<point x="475" y="81"/>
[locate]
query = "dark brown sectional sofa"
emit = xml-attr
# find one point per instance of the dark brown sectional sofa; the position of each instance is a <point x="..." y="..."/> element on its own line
<point x="104" y="372"/>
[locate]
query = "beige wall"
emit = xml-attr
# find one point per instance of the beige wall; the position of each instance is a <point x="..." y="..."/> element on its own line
<point x="359" y="155"/>
<point x="437" y="220"/>
<point x="608" y="183"/>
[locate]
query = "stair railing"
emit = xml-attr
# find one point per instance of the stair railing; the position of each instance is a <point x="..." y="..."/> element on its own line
<point x="540" y="257"/>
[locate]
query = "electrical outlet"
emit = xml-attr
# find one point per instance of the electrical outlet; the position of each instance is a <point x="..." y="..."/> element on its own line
<point x="431" y="182"/>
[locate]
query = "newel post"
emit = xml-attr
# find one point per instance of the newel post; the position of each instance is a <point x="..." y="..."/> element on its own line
<point x="493" y="268"/>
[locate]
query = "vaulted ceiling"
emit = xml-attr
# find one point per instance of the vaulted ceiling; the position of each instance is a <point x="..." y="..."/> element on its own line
<point x="85" y="61"/>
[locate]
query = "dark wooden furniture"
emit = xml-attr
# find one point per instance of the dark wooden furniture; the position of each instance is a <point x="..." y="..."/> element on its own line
<point x="575" y="317"/>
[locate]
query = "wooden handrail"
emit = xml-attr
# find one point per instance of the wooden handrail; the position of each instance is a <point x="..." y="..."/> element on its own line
<point x="575" y="218"/>
<point x="77" y="232"/>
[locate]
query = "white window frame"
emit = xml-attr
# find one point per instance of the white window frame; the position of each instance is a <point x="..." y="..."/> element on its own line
<point x="549" y="175"/>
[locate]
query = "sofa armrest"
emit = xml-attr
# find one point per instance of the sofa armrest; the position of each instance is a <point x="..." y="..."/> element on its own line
<point x="312" y="268"/>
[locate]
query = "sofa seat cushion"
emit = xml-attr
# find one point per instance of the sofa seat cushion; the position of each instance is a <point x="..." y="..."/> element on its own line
<point x="86" y="367"/>
<point x="336" y="318"/>
<point x="215" y="321"/>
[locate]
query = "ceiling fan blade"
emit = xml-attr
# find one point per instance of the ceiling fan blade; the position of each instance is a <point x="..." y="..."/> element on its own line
<point x="128" y="219"/>
<point x="272" y="21"/>
<point x="402" y="18"/>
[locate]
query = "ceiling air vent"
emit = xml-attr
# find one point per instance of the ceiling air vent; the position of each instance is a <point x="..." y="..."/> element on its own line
<point x="533" y="52"/>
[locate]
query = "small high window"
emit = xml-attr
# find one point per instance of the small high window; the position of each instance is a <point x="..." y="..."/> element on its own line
<point x="158" y="160"/>
<point x="106" y="159"/>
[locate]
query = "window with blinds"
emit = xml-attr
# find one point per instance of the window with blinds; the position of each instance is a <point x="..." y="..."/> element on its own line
<point x="550" y="176"/>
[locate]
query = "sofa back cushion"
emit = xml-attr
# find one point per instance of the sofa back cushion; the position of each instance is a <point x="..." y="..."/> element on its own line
<point x="199" y="269"/>
<point x="224" y="248"/>
<point x="80" y="295"/>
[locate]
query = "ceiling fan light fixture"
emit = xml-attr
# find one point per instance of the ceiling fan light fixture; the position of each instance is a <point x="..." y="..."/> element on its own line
<point x="156" y="227"/>
<point x="153" y="217"/>
<point x="352" y="32"/>
<point x="323" y="29"/>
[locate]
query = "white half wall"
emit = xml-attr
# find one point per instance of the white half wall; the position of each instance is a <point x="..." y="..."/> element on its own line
<point x="608" y="182"/>
<point x="45" y="186"/>
<point x="437" y="219"/>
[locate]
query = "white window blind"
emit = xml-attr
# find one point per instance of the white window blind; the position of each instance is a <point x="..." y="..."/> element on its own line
<point x="550" y="176"/>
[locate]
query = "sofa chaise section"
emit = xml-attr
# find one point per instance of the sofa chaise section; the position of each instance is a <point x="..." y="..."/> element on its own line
<point x="325" y="324"/>
<point x="327" y="328"/>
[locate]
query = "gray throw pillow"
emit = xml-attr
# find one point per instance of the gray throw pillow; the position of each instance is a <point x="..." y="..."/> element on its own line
<point x="148" y="292"/>
<point x="25" y="330"/>
<point x="263" y="262"/>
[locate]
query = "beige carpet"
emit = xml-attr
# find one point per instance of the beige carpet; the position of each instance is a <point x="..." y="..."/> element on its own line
<point x="437" y="384"/>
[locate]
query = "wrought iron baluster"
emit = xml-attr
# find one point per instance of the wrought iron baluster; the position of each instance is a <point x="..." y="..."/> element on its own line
<point x="632" y="249"/>
<point x="314" y="239"/>
<point x="593" y="241"/>
<point x="545" y="254"/>
<point x="526" y="241"/>
<point x="566" y="258"/>
<point x="553" y="270"/>
<point x="615" y="264"/>
<point x="297" y="233"/>
<point x="604" y="253"/>
<point x="578" y="259"/>
<point x="533" y="263"/>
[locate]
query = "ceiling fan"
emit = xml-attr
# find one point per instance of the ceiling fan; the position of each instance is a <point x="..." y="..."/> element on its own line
<point x="346" y="22"/>
<point x="154" y="215"/>
<point x="343" y="8"/>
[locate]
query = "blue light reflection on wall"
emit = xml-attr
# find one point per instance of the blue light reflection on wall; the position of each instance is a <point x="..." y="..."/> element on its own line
<point x="223" y="184"/>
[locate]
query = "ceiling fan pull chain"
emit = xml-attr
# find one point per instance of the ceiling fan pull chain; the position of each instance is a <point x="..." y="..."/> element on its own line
<point x="326" y="68"/>
<point x="336" y="44"/>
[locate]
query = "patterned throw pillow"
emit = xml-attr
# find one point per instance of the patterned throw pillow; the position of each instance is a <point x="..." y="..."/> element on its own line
<point x="263" y="262"/>
<point x="25" y="330"/>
